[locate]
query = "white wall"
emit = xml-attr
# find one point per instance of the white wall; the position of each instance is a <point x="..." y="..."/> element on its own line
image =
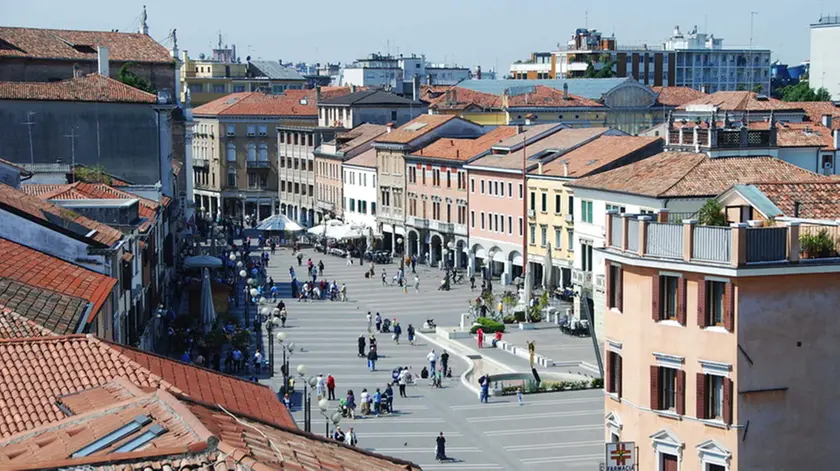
<point x="804" y="157"/>
<point x="825" y="58"/>
<point x="363" y="188"/>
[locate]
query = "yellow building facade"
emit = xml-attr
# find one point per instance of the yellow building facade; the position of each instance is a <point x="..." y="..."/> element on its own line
<point x="551" y="222"/>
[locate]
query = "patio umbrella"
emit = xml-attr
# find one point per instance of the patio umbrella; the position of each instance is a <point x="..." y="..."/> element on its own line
<point x="202" y="261"/>
<point x="208" y="311"/>
<point x="547" y="269"/>
<point x="370" y="238"/>
<point x="279" y="223"/>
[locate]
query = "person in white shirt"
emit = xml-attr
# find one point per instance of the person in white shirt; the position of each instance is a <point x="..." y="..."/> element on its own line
<point x="257" y="361"/>
<point x="432" y="357"/>
<point x="402" y="380"/>
<point x="320" y="385"/>
<point x="364" y="402"/>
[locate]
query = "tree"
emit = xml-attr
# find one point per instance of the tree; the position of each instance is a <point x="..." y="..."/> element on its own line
<point x="128" y="77"/>
<point x="802" y="92"/>
<point x="758" y="88"/>
<point x="711" y="214"/>
<point x="95" y="174"/>
<point x="606" y="70"/>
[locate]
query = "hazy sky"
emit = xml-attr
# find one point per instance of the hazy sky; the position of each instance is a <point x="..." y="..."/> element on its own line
<point x="469" y="32"/>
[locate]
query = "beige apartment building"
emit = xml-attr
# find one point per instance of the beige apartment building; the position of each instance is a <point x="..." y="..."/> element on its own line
<point x="235" y="152"/>
<point x="720" y="345"/>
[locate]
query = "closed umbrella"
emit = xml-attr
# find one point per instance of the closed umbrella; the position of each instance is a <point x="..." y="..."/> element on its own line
<point x="208" y="311"/>
<point x="370" y="239"/>
<point x="547" y="270"/>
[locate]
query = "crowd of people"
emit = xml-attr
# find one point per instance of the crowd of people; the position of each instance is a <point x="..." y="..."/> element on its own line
<point x="312" y="288"/>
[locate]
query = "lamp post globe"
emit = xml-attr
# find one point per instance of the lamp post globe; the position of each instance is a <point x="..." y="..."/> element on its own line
<point x="239" y="265"/>
<point x="301" y="369"/>
<point x="323" y="404"/>
<point x="254" y="292"/>
<point x="232" y="257"/>
<point x="281" y="337"/>
<point x="242" y="273"/>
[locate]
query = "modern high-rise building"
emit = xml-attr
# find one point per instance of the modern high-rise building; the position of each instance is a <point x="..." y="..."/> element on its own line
<point x="825" y="48"/>
<point x="694" y="59"/>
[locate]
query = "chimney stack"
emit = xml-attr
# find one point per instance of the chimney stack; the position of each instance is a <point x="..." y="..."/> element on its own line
<point x="826" y="120"/>
<point x="565" y="91"/>
<point x="389" y="127"/>
<point x="837" y="138"/>
<point x="415" y="87"/>
<point x="317" y="94"/>
<point x="352" y="88"/>
<point x="102" y="56"/>
<point x="565" y="169"/>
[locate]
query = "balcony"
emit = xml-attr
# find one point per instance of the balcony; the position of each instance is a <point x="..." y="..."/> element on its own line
<point x="582" y="278"/>
<point x="259" y="164"/>
<point x="325" y="205"/>
<point x="735" y="246"/>
<point x="532" y="214"/>
<point x="442" y="227"/>
<point x="200" y="163"/>
<point x="570" y="218"/>
<point x="421" y="223"/>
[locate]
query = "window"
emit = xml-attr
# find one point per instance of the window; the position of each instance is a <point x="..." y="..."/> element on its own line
<point x="256" y="180"/>
<point x="521" y="233"/>
<point x="558" y="238"/>
<point x="668" y="297"/>
<point x="482" y="221"/>
<point x="231" y="152"/>
<point x="448" y="179"/>
<point x="352" y="205"/>
<point x="263" y="152"/>
<point x="472" y="185"/>
<point x="714" y="397"/>
<point x="496" y="222"/>
<point x="231" y="176"/>
<point x="510" y="224"/>
<point x="571" y="205"/>
<point x="472" y="218"/>
<point x="613" y="379"/>
<point x="231" y="130"/>
<point x="195" y="88"/>
<point x="543" y="236"/>
<point x="614" y="286"/>
<point x="533" y="198"/>
<point x="412" y="174"/>
<point x="394" y="116"/>
<point x="715" y="293"/>
<point x="544" y="202"/>
<point x="482" y="187"/>
<point x="521" y="191"/>
<point x="252" y="152"/>
<point x="612" y="207"/>
<point x="532" y="233"/>
<point x="557" y="206"/>
<point x="667" y="378"/>
<point x="586" y="211"/>
<point x="373" y="208"/>
<point x="218" y="88"/>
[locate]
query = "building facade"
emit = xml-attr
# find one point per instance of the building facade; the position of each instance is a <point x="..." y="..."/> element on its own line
<point x="391" y="151"/>
<point x="715" y="333"/>
<point x="824" y="65"/>
<point x="368" y="106"/>
<point x="359" y="184"/>
<point x="329" y="177"/>
<point x="398" y="73"/>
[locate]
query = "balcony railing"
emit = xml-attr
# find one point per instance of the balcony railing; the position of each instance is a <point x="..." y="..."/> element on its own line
<point x="259" y="164"/>
<point x="200" y="163"/>
<point x="582" y="278"/>
<point x="735" y="246"/>
<point x="444" y="227"/>
<point x="421" y="223"/>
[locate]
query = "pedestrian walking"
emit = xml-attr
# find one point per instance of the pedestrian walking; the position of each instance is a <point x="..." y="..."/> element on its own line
<point x="257" y="361"/>
<point x="362" y="345"/>
<point x="440" y="448"/>
<point x="384" y="278"/>
<point x="402" y="381"/>
<point x="413" y="263"/>
<point x="372" y="357"/>
<point x="330" y="387"/>
<point x="377" y="402"/>
<point x="369" y="322"/>
<point x="472" y="282"/>
<point x="237" y="360"/>
<point x="320" y="268"/>
<point x="377" y="321"/>
<point x="320" y="385"/>
<point x="410" y="333"/>
<point x="484" y="382"/>
<point x="397" y="331"/>
<point x="343" y="292"/>
<point x="416" y="283"/>
<point x="283" y="316"/>
<point x="480" y="337"/>
<point x="292" y="271"/>
<point x="388" y="399"/>
<point x="350" y="404"/>
<point x="519" y="393"/>
<point x="349" y="259"/>
<point x="300" y="259"/>
<point x="444" y="362"/>
<point x="432" y="357"/>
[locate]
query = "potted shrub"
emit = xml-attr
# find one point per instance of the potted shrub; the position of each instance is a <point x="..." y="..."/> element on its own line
<point x="817" y="245"/>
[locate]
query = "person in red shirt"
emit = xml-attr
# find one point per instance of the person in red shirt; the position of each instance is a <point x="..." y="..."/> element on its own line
<point x="480" y="333"/>
<point x="330" y="387"/>
<point x="498" y="338"/>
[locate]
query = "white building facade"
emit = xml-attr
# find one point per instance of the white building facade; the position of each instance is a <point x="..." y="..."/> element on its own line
<point x="360" y="190"/>
<point x="825" y="55"/>
<point x="398" y="72"/>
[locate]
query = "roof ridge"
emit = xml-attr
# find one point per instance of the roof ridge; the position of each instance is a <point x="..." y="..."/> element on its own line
<point x="685" y="175"/>
<point x="53" y="338"/>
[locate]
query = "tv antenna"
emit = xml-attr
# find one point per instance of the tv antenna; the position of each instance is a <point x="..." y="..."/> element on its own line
<point x="29" y="123"/>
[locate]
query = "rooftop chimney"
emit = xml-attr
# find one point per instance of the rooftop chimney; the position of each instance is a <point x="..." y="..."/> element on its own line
<point x="565" y="91"/>
<point x="565" y="169"/>
<point x="539" y="167"/>
<point x="102" y="56"/>
<point x="317" y="94"/>
<point x="389" y="127"/>
<point x="837" y="138"/>
<point x="826" y="120"/>
<point x="352" y="88"/>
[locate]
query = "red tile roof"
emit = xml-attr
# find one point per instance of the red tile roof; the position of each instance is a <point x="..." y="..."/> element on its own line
<point x="51" y="215"/>
<point x="564" y="139"/>
<point x="14" y="325"/>
<point x="460" y="99"/>
<point x="686" y="174"/>
<point x="817" y="199"/>
<point x="39" y="43"/>
<point x="358" y="136"/>
<point x="804" y="135"/>
<point x="91" y="88"/>
<point x="464" y="149"/>
<point x="197" y="436"/>
<point x="676" y="96"/>
<point x="148" y="209"/>
<point x="596" y="154"/>
<point x="741" y="101"/>
<point x="35" y="268"/>
<point x="417" y="127"/>
<point x="815" y="110"/>
<point x="60" y="313"/>
<point x="35" y="372"/>
<point x="548" y="97"/>
<point x="290" y="103"/>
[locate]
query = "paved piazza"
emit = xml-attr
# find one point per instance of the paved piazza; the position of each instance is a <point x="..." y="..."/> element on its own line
<point x="553" y="431"/>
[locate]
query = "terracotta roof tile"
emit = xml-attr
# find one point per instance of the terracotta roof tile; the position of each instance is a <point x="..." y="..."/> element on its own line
<point x="51" y="215"/>
<point x="804" y="135"/>
<point x="417" y="127"/>
<point x="58" y="44"/>
<point x="459" y="98"/>
<point x="360" y="135"/>
<point x="464" y="149"/>
<point x="686" y="174"/>
<point x="548" y="97"/>
<point x="147" y="208"/>
<point x="561" y="139"/>
<point x="741" y="101"/>
<point x="36" y="371"/>
<point x="290" y="103"/>
<point x="14" y="325"/>
<point x="596" y="154"/>
<point x="34" y="268"/>
<point x="60" y="313"/>
<point x="815" y="110"/>
<point x="365" y="159"/>
<point x="817" y="199"/>
<point x="92" y="88"/>
<point x="676" y="96"/>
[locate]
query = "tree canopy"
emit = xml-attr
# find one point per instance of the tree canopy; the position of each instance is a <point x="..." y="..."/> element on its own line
<point x="802" y="92"/>
<point x="128" y="77"/>
<point x="711" y="214"/>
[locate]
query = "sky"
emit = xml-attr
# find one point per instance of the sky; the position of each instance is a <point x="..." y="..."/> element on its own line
<point x="490" y="33"/>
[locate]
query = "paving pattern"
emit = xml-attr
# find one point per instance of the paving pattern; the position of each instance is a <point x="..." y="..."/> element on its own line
<point x="556" y="431"/>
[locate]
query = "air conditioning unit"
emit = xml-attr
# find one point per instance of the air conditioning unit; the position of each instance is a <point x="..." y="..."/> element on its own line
<point x="252" y="134"/>
<point x="532" y="213"/>
<point x="231" y="134"/>
<point x="263" y="133"/>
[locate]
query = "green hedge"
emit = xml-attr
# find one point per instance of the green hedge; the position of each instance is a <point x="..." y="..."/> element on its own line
<point x="489" y="326"/>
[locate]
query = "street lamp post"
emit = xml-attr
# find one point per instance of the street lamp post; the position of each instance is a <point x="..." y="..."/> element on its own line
<point x="290" y="347"/>
<point x="335" y="418"/>
<point x="324" y="235"/>
<point x="269" y="327"/>
<point x="402" y="252"/>
<point x="308" y="384"/>
<point x="450" y="246"/>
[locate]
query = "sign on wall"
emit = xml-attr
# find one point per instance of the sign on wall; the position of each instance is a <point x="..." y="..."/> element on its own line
<point x="621" y="456"/>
